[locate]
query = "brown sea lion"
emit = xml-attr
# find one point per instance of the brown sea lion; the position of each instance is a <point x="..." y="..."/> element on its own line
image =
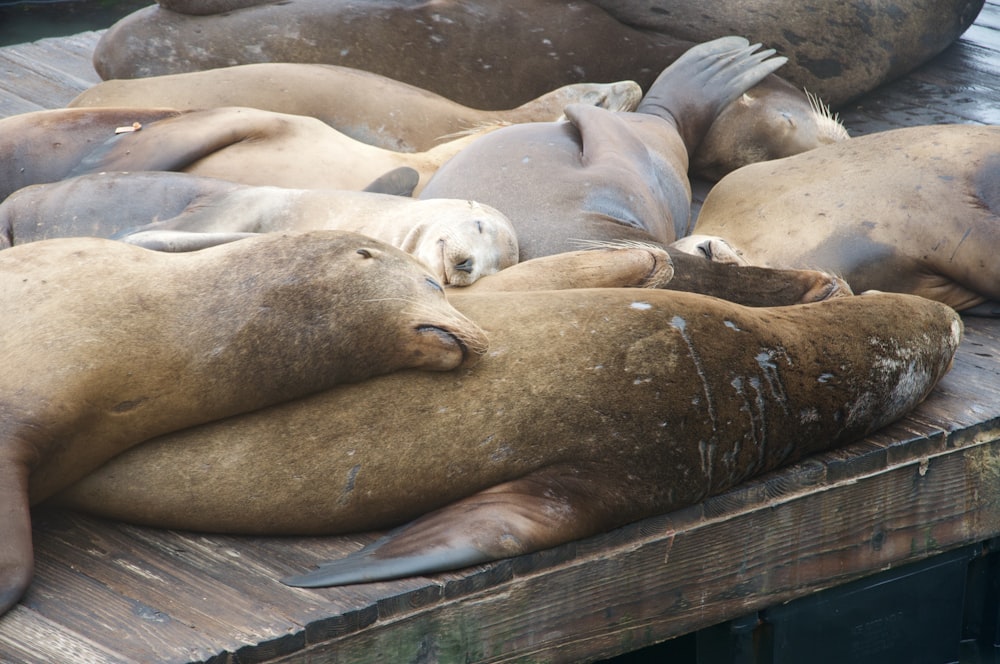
<point x="649" y="401"/>
<point x="604" y="176"/>
<point x="257" y="147"/>
<point x="106" y="345"/>
<point x="480" y="48"/>
<point x="459" y="241"/>
<point x="368" y="107"/>
<point x="838" y="50"/>
<point x="912" y="210"/>
<point x="479" y="53"/>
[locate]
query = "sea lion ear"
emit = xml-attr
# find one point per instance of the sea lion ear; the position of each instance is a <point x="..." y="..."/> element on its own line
<point x="366" y="253"/>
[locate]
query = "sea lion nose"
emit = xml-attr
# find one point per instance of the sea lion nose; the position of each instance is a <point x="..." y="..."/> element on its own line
<point x="465" y="266"/>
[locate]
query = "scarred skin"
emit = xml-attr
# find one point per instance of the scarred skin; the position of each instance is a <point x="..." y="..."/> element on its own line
<point x="650" y="400"/>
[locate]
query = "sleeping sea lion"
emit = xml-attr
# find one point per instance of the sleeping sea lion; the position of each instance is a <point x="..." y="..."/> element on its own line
<point x="646" y="400"/>
<point x="480" y="53"/>
<point x="106" y="345"/>
<point x="367" y="107"/>
<point x="603" y="176"/>
<point x="912" y="210"/>
<point x="459" y="241"/>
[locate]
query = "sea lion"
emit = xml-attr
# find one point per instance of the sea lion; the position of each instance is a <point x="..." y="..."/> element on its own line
<point x="367" y="107"/>
<point x="604" y="176"/>
<point x="45" y="146"/>
<point x="258" y="147"/>
<point x="479" y="53"/>
<point x="475" y="50"/>
<point x="765" y="123"/>
<point x="911" y="210"/>
<point x="459" y="241"/>
<point x="106" y="345"/>
<point x="649" y="401"/>
<point x="837" y="50"/>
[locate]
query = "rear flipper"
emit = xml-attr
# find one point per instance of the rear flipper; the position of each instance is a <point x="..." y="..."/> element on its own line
<point x="549" y="507"/>
<point x="692" y="91"/>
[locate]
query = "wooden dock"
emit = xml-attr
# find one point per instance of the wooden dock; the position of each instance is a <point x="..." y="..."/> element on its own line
<point x="112" y="593"/>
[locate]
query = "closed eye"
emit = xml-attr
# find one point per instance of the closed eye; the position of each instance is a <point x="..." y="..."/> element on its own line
<point x="434" y="284"/>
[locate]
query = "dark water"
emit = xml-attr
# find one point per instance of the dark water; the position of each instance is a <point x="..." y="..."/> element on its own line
<point x="27" y="20"/>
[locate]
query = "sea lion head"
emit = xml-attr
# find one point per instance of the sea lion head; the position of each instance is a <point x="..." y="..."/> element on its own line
<point x="771" y="121"/>
<point x="409" y="301"/>
<point x="712" y="247"/>
<point x="462" y="241"/>
<point x="366" y="301"/>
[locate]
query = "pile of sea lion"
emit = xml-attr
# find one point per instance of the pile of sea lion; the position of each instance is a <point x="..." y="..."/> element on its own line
<point x="246" y="261"/>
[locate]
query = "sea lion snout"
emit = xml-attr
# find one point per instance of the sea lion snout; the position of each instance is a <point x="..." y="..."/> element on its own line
<point x="449" y="346"/>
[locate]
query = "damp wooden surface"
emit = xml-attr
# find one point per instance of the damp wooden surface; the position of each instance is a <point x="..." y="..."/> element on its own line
<point x="109" y="592"/>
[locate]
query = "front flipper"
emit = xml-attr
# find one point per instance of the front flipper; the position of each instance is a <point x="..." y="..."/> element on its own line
<point x="399" y="181"/>
<point x="16" y="553"/>
<point x="179" y="241"/>
<point x="546" y="508"/>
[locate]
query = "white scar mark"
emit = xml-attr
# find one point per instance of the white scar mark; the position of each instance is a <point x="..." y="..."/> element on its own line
<point x="680" y="325"/>
<point x="759" y="401"/>
<point x="765" y="360"/>
<point x="706" y="451"/>
<point x="352" y="475"/>
<point x="641" y="305"/>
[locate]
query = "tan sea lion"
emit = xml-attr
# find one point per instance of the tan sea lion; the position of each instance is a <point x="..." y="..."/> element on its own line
<point x="45" y="146"/>
<point x="459" y="241"/>
<point x="604" y="176"/>
<point x="106" y="345"/>
<point x="765" y="123"/>
<point x="479" y="53"/>
<point x="649" y="401"/>
<point x="911" y="210"/>
<point x="368" y="107"/>
<point x="257" y="147"/>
